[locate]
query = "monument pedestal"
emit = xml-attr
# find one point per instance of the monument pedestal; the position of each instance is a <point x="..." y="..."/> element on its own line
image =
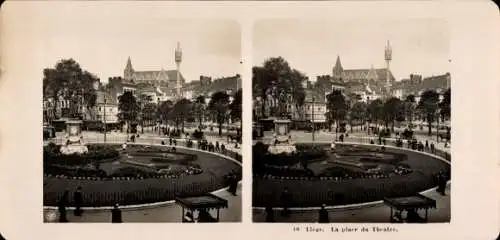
<point x="282" y="141"/>
<point x="74" y="141"/>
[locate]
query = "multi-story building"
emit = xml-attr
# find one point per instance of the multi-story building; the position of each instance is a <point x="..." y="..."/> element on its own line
<point x="314" y="107"/>
<point x="415" y="85"/>
<point x="106" y="108"/>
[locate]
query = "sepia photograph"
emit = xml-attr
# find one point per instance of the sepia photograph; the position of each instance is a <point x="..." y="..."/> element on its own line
<point x="351" y="121"/>
<point x="141" y="119"/>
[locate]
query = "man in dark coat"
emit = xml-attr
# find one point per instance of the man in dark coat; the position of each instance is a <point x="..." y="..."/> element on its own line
<point x="269" y="214"/>
<point x="62" y="204"/>
<point x="78" y="199"/>
<point x="285" y="201"/>
<point x="323" y="215"/>
<point x="116" y="214"/>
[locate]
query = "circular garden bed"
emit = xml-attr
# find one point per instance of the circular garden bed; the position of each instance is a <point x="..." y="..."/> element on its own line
<point x="353" y="174"/>
<point x="138" y="175"/>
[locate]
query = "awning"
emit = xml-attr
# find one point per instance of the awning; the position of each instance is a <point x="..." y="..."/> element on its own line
<point x="206" y="201"/>
<point x="413" y="202"/>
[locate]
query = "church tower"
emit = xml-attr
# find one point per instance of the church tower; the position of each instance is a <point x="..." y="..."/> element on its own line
<point x="388" y="58"/>
<point x="128" y="73"/>
<point x="337" y="71"/>
<point x="178" y="60"/>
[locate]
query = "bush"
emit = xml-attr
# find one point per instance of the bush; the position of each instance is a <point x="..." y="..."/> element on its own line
<point x="198" y="135"/>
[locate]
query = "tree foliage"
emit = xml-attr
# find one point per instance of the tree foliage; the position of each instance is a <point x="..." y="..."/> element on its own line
<point x="67" y="80"/>
<point x="429" y="105"/>
<point x="336" y="106"/>
<point x="128" y="108"/>
<point x="278" y="80"/>
<point x="218" y="105"/>
<point x="181" y="111"/>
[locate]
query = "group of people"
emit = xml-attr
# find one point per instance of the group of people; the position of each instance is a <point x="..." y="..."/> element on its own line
<point x="64" y="202"/>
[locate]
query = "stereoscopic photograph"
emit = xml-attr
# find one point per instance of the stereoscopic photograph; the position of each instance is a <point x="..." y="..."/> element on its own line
<point x="351" y="121"/>
<point x="141" y="119"/>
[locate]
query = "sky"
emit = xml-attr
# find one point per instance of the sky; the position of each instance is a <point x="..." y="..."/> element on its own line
<point x="102" y="42"/>
<point x="419" y="46"/>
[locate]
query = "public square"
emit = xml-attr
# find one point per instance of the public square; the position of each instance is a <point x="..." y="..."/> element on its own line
<point x="347" y="128"/>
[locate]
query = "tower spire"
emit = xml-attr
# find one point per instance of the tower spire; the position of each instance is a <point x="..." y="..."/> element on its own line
<point x="128" y="73"/>
<point x="178" y="60"/>
<point x="337" y="70"/>
<point x="388" y="58"/>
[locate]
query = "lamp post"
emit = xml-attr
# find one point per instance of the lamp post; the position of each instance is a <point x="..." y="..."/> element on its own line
<point x="312" y="119"/>
<point x="105" y="130"/>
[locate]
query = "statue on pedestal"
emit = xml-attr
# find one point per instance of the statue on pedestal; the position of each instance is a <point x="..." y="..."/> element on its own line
<point x="74" y="140"/>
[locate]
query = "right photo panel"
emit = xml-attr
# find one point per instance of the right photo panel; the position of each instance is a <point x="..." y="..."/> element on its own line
<point x="351" y="121"/>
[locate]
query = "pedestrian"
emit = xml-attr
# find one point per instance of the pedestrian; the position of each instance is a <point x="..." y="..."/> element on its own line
<point x="269" y="214"/>
<point x="62" y="204"/>
<point x="432" y="147"/>
<point x="217" y="147"/>
<point x="116" y="214"/>
<point x="78" y="199"/>
<point x="323" y="215"/>
<point x="285" y="201"/>
<point x="426" y="144"/>
<point x="170" y="141"/>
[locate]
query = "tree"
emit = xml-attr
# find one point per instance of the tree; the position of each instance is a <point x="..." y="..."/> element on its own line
<point x="336" y="106"/>
<point x="199" y="108"/>
<point x="145" y="100"/>
<point x="358" y="112"/>
<point x="445" y="105"/>
<point x="375" y="111"/>
<point x="128" y="109"/>
<point x="409" y="105"/>
<point x="148" y="112"/>
<point x="218" y="105"/>
<point x="428" y="104"/>
<point x="236" y="108"/>
<point x="68" y="81"/>
<point x="277" y="79"/>
<point x="164" y="111"/>
<point x="181" y="111"/>
<point x="392" y="111"/>
<point x="261" y="82"/>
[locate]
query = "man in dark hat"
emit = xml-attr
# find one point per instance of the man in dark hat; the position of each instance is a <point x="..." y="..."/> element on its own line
<point x="78" y="199"/>
<point x="323" y="215"/>
<point x="285" y="201"/>
<point x="269" y="214"/>
<point x="62" y="204"/>
<point x="116" y="214"/>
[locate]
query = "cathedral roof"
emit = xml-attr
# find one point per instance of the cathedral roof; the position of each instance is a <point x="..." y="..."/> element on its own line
<point x="162" y="75"/>
<point x="379" y="73"/>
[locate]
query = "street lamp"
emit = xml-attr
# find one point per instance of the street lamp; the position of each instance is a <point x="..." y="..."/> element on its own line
<point x="312" y="119"/>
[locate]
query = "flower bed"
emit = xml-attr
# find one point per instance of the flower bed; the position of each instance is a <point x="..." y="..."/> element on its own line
<point x="205" y="174"/>
<point x="414" y="174"/>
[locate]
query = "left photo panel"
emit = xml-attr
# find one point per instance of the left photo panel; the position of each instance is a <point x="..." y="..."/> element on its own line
<point x="141" y="119"/>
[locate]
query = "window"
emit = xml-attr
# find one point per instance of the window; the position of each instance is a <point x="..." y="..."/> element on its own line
<point x="100" y="109"/>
